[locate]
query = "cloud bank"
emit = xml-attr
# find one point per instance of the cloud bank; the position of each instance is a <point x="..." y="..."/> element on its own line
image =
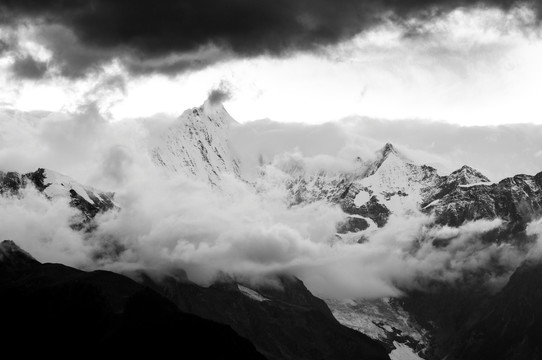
<point x="167" y="223"/>
<point x="497" y="151"/>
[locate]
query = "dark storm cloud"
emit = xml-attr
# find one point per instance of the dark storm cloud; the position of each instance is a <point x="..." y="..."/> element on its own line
<point x="72" y="57"/>
<point x="220" y="94"/>
<point x="29" y="68"/>
<point x="145" y="29"/>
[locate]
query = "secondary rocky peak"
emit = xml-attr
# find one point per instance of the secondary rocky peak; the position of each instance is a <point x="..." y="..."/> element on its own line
<point x="9" y="246"/>
<point x="391" y="151"/>
<point x="388" y="148"/>
<point x="206" y="114"/>
<point x="467" y="175"/>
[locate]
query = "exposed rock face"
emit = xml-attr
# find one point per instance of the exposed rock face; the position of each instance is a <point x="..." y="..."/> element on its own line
<point x="516" y="200"/>
<point x="284" y="323"/>
<point x="55" y="310"/>
<point x="394" y="185"/>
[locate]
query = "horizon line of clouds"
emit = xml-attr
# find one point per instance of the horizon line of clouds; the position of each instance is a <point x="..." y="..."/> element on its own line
<point x="77" y="40"/>
<point x="68" y="139"/>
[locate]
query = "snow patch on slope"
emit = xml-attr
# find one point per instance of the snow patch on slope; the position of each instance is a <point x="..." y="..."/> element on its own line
<point x="361" y="198"/>
<point x="383" y="320"/>
<point x="477" y="184"/>
<point x="403" y="352"/>
<point x="254" y="295"/>
<point x="59" y="185"/>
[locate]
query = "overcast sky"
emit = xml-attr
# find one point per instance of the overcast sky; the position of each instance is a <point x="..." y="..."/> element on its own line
<point x="289" y="61"/>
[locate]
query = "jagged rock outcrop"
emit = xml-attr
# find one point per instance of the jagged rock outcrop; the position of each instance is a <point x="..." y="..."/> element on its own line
<point x="516" y="200"/>
<point x="392" y="184"/>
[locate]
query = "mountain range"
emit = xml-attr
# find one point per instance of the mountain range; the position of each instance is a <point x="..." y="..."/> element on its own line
<point x="460" y="320"/>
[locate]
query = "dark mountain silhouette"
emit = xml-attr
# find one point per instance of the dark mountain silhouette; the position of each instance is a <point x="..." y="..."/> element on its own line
<point x="56" y="310"/>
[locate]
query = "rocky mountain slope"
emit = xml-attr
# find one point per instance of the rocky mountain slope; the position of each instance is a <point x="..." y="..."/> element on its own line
<point x="293" y="316"/>
<point x="55" y="310"/>
<point x="517" y="200"/>
<point x="509" y="324"/>
<point x="467" y="321"/>
<point x="392" y="184"/>
<point x="284" y="320"/>
<point x="461" y="321"/>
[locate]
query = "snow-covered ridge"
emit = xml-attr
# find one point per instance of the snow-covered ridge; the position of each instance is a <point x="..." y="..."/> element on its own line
<point x="197" y="145"/>
<point x="58" y="185"/>
<point x="396" y="182"/>
<point x="53" y="185"/>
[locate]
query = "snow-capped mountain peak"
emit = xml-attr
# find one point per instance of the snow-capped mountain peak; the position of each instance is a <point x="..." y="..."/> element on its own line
<point x="466" y="175"/>
<point x="208" y="113"/>
<point x="197" y="144"/>
<point x="387" y="149"/>
<point x="386" y="154"/>
<point x="395" y="181"/>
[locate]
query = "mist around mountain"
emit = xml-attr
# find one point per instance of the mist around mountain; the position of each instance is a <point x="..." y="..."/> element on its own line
<point x="418" y="260"/>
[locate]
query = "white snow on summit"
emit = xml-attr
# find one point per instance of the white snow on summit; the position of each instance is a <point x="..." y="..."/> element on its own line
<point x="396" y="182"/>
<point x="197" y="145"/>
<point x="60" y="186"/>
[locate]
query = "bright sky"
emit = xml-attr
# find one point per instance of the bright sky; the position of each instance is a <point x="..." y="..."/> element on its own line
<point x="475" y="67"/>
